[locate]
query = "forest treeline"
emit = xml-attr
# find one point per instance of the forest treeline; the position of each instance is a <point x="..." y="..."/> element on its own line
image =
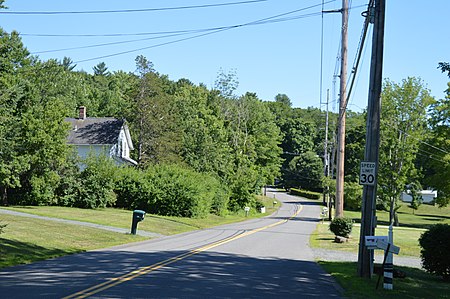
<point x="214" y="148"/>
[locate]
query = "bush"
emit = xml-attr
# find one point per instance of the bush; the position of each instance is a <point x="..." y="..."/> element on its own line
<point x="435" y="243"/>
<point x="341" y="226"/>
<point x="97" y="183"/>
<point x="306" y="194"/>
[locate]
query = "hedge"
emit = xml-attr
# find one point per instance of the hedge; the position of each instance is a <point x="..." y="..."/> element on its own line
<point x="305" y="193"/>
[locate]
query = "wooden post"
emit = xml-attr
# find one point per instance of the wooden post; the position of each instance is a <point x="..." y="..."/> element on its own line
<point x="342" y="107"/>
<point x="365" y="256"/>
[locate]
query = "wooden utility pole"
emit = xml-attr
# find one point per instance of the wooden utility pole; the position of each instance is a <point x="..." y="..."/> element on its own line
<point x="368" y="220"/>
<point x="326" y="157"/>
<point x="342" y="107"/>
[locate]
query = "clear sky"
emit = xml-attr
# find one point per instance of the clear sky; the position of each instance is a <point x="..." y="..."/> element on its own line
<point x="269" y="57"/>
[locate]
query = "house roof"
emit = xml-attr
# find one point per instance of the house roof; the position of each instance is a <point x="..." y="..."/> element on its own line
<point x="94" y="130"/>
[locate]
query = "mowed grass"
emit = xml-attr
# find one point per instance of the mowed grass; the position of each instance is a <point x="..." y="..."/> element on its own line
<point x="406" y="236"/>
<point x="27" y="240"/>
<point x="425" y="216"/>
<point x="164" y="225"/>
<point x="416" y="284"/>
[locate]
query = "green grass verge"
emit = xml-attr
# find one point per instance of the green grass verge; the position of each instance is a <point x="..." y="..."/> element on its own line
<point x="27" y="240"/>
<point x="417" y="284"/>
<point x="425" y="216"/>
<point x="164" y="225"/>
<point x="405" y="238"/>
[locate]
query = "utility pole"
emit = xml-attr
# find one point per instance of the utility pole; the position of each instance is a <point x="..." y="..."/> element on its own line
<point x="342" y="107"/>
<point x="368" y="220"/>
<point x="326" y="158"/>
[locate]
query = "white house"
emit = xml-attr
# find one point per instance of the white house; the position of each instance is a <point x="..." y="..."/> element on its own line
<point x="101" y="135"/>
<point x="427" y="196"/>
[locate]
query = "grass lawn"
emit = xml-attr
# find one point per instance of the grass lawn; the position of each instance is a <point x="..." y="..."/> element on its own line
<point x="26" y="240"/>
<point x="425" y="216"/>
<point x="406" y="236"/>
<point x="417" y="284"/>
<point x="164" y="225"/>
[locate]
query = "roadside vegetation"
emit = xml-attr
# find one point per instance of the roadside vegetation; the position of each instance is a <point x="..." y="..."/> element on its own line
<point x="417" y="284"/>
<point x="406" y="236"/>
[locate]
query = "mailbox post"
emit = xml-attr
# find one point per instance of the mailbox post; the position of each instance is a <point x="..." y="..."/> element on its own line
<point x="246" y="209"/>
<point x="385" y="243"/>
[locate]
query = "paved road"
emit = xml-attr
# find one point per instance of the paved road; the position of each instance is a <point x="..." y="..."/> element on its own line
<point x="262" y="258"/>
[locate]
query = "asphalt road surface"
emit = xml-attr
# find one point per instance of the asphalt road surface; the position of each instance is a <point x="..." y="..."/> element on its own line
<point x="260" y="258"/>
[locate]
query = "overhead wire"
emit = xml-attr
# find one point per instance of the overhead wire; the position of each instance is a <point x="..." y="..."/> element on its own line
<point x="181" y="32"/>
<point x="257" y="22"/>
<point x="359" y="53"/>
<point x="128" y="10"/>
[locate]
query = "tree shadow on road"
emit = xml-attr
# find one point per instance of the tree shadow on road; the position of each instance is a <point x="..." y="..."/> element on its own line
<point x="199" y="275"/>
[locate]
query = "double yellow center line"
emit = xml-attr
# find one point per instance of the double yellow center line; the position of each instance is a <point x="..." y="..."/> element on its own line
<point x="147" y="269"/>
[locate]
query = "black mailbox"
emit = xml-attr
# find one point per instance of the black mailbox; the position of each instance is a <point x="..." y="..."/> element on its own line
<point x="138" y="216"/>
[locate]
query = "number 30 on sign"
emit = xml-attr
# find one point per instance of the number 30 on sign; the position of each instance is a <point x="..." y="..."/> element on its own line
<point x="367" y="173"/>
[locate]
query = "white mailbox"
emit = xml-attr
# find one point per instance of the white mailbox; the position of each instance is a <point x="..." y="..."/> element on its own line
<point x="371" y="241"/>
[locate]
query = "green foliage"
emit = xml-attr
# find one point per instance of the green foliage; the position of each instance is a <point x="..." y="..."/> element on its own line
<point x="306" y="171"/>
<point x="355" y="140"/>
<point x="180" y="191"/>
<point x="445" y="67"/>
<point x="341" y="226"/>
<point x="436" y="167"/>
<point x="305" y="193"/>
<point x="97" y="183"/>
<point x="435" y="243"/>
<point x="403" y="127"/>
<point x="352" y="196"/>
<point x="416" y="197"/>
<point x="170" y="190"/>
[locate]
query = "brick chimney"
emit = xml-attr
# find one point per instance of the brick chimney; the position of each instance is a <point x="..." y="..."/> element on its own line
<point x="82" y="112"/>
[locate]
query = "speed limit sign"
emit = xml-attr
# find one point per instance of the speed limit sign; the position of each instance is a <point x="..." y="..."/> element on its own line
<point x="367" y="173"/>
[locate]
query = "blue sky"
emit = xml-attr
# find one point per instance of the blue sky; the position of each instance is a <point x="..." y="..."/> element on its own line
<point x="270" y="58"/>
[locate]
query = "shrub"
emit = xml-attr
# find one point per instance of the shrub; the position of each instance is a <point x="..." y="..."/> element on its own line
<point x="435" y="243"/>
<point x="97" y="183"/>
<point x="133" y="189"/>
<point x="341" y="226"/>
<point x="304" y="193"/>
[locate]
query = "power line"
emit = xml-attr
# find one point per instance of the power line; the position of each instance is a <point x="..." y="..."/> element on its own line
<point x="257" y="22"/>
<point x="182" y="32"/>
<point x="128" y="10"/>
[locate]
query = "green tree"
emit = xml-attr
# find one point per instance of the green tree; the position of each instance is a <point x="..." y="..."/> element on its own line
<point x="14" y="61"/>
<point x="307" y="171"/>
<point x="416" y="197"/>
<point x="101" y="69"/>
<point x="152" y="117"/>
<point x="403" y="126"/>
<point x="434" y="155"/>
<point x="68" y="63"/>
<point x="445" y="67"/>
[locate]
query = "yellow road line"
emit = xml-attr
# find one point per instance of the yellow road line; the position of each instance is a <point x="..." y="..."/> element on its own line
<point x="147" y="269"/>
